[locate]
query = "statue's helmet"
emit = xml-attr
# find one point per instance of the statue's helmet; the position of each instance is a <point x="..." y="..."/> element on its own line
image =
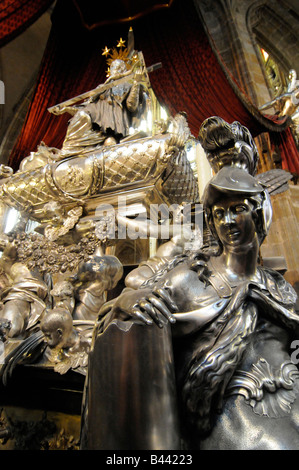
<point x="228" y="144"/>
<point x="233" y="181"/>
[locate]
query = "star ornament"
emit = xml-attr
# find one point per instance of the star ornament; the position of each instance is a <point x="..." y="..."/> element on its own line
<point x="106" y="51"/>
<point x="121" y="43"/>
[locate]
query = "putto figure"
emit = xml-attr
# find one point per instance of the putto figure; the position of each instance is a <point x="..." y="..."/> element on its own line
<point x="231" y="322"/>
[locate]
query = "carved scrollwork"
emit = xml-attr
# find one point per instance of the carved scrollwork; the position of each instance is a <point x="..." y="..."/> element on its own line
<point x="269" y="391"/>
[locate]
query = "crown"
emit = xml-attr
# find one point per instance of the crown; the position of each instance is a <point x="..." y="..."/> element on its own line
<point x="121" y="52"/>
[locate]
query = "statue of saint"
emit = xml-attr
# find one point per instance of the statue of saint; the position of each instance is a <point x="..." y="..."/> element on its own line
<point x="107" y="116"/>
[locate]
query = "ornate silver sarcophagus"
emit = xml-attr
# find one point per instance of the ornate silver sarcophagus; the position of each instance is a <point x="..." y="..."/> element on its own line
<point x="149" y="170"/>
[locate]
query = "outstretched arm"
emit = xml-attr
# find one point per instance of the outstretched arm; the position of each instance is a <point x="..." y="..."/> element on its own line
<point x="57" y="110"/>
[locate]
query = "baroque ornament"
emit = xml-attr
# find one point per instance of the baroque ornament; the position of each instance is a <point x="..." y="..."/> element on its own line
<point x="184" y="330"/>
<point x="269" y="391"/>
<point x="37" y="251"/>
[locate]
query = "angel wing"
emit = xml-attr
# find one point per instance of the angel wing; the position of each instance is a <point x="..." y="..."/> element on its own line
<point x="276" y="180"/>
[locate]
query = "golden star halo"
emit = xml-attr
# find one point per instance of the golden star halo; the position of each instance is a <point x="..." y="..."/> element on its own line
<point x="120" y="53"/>
<point x="106" y="51"/>
<point x="121" y="43"/>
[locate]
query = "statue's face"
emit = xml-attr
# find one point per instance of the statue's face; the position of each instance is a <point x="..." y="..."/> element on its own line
<point x="233" y="221"/>
<point x="54" y="337"/>
<point x="117" y="66"/>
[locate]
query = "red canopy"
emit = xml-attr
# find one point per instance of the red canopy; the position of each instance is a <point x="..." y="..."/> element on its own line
<point x="191" y="78"/>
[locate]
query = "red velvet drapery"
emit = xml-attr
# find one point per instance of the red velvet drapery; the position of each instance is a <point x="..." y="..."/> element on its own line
<point x="17" y="15"/>
<point x="287" y="149"/>
<point x="190" y="80"/>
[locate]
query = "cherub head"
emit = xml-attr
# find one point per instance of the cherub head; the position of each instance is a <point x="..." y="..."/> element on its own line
<point x="118" y="66"/>
<point x="57" y="326"/>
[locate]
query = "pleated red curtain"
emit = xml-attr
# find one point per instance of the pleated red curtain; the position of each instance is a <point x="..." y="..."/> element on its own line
<point x="287" y="149"/>
<point x="17" y="15"/>
<point x="191" y="79"/>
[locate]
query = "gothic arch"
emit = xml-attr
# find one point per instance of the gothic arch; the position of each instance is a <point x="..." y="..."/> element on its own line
<point x="275" y="28"/>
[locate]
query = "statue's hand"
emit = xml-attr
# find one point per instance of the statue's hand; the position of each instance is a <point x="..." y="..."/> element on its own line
<point x="145" y="305"/>
<point x="57" y="110"/>
<point x="138" y="76"/>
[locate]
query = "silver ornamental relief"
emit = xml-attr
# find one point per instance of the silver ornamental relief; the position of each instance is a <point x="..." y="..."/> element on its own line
<point x="269" y="391"/>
